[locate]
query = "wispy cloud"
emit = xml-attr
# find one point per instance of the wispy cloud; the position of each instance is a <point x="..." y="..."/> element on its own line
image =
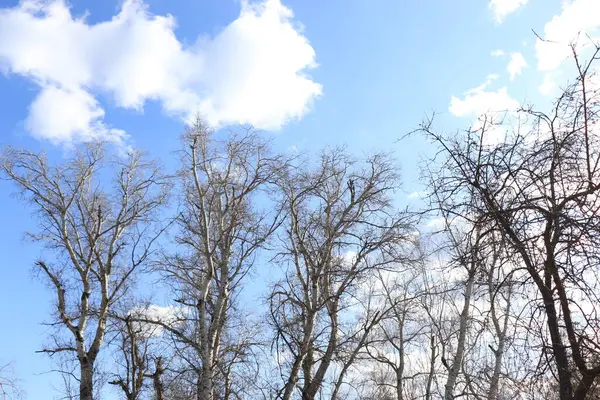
<point x="502" y="8"/>
<point x="516" y="65"/>
<point x="416" y="195"/>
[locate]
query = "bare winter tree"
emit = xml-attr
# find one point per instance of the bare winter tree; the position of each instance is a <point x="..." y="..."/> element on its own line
<point x="400" y="332"/>
<point x="472" y="321"/>
<point x="341" y="228"/>
<point x="10" y="387"/>
<point x="137" y="358"/>
<point x="444" y="306"/>
<point x="538" y="188"/>
<point x="485" y="368"/>
<point x="221" y="229"/>
<point x="465" y="251"/>
<point x="369" y="309"/>
<point x="101" y="233"/>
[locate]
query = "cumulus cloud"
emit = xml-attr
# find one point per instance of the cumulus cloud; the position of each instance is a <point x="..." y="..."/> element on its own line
<point x="516" y="65"/>
<point x="502" y="8"/>
<point x="58" y="114"/>
<point x="577" y="24"/>
<point x="578" y="18"/>
<point x="254" y="71"/>
<point x="479" y="102"/>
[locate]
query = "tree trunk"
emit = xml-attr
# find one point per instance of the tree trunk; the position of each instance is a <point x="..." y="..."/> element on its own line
<point x="299" y="361"/>
<point x="560" y="354"/>
<point x="156" y="380"/>
<point x="499" y="353"/>
<point x="495" y="381"/>
<point x="400" y="369"/>
<point x="431" y="369"/>
<point x="86" y="383"/>
<point x="292" y="380"/>
<point x="205" y="384"/>
<point x="399" y="385"/>
<point x="317" y="380"/>
<point x="454" y="369"/>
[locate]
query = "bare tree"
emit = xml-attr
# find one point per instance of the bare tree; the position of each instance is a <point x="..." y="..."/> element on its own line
<point x="500" y="290"/>
<point x="466" y="253"/>
<point x="136" y="357"/>
<point x="100" y="233"/>
<point x="355" y="336"/>
<point x="477" y="265"/>
<point x="157" y="379"/>
<point x="10" y="387"/>
<point x="221" y="230"/>
<point x="340" y="229"/>
<point x="538" y="188"/>
<point x="402" y="327"/>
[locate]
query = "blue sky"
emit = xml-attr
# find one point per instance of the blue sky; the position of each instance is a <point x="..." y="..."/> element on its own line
<point x="309" y="73"/>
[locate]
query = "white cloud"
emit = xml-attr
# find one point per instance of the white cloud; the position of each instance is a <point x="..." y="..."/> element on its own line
<point x="436" y="224"/>
<point x="479" y="101"/>
<point x="516" y="64"/>
<point x="58" y="113"/>
<point x="253" y="71"/>
<point x="350" y="257"/>
<point x="481" y="104"/>
<point x="417" y="195"/>
<point x="578" y="18"/>
<point x="549" y="86"/>
<point x="168" y="315"/>
<point x="501" y="8"/>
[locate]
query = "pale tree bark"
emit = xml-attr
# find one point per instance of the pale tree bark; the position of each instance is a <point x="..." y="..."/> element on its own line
<point x="136" y="354"/>
<point x="431" y="371"/>
<point x="458" y="245"/>
<point x="101" y="233"/>
<point x="221" y="230"/>
<point x="353" y="350"/>
<point x="156" y="376"/>
<point x="434" y="302"/>
<point x="454" y="366"/>
<point x="489" y="337"/>
<point x="498" y="289"/>
<point x="479" y="255"/>
<point x="463" y="251"/>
